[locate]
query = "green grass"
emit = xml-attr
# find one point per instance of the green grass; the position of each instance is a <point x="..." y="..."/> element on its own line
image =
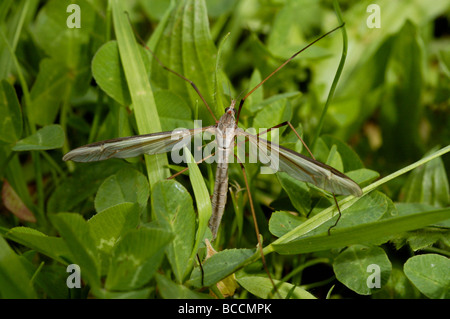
<point x="373" y="103"/>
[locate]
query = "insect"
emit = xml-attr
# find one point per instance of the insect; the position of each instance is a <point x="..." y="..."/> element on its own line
<point x="226" y="130"/>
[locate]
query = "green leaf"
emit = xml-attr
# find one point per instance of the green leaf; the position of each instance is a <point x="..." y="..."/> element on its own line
<point x="406" y="77"/>
<point x="282" y="222"/>
<point x="140" y="90"/>
<point x="15" y="281"/>
<point x="220" y="78"/>
<point x="262" y="287"/>
<point x="203" y="202"/>
<point x="372" y="232"/>
<point x="76" y="234"/>
<point x="297" y="191"/>
<point x="330" y="212"/>
<point x="173" y="110"/>
<point x="429" y="273"/>
<point x="170" y="290"/>
<point x="363" y="176"/>
<point x="51" y="278"/>
<point x="53" y="35"/>
<point x="108" y="73"/>
<point x="172" y="206"/>
<point x="220" y="265"/>
<point x="186" y="47"/>
<point x="54" y="247"/>
<point x="428" y="184"/>
<point x="133" y="294"/>
<point x="84" y="183"/>
<point x="397" y="287"/>
<point x="67" y="72"/>
<point x="253" y="101"/>
<point x="370" y="208"/>
<point x="49" y="89"/>
<point x="334" y="159"/>
<point x="136" y="257"/>
<point x="11" y="121"/>
<point x="278" y="99"/>
<point x="363" y="269"/>
<point x="273" y="114"/>
<point x="127" y="185"/>
<point x="350" y="159"/>
<point x="288" y="29"/>
<point x="47" y="138"/>
<point x="155" y="9"/>
<point x="110" y="224"/>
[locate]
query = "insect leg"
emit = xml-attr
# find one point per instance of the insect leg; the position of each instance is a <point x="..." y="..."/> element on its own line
<point x="281" y="66"/>
<point x="295" y="131"/>
<point x="185" y="169"/>
<point x="252" y="208"/>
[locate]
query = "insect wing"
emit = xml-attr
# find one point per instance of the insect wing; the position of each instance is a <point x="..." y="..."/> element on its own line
<point x="303" y="168"/>
<point x="131" y="146"/>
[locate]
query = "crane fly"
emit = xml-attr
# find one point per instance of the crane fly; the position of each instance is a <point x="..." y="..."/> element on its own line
<point x="226" y="130"/>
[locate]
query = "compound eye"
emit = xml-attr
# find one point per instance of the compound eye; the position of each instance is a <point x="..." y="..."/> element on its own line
<point x="230" y="110"/>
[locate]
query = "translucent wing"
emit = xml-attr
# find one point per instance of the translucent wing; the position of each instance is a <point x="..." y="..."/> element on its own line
<point x="131" y="146"/>
<point x="301" y="167"/>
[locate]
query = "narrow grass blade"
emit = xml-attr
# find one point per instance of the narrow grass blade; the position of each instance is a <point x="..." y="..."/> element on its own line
<point x="141" y="93"/>
<point x="203" y="204"/>
<point x="365" y="233"/>
<point x="348" y="201"/>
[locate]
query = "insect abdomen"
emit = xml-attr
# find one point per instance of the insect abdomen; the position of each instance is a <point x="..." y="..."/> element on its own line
<point x="219" y="198"/>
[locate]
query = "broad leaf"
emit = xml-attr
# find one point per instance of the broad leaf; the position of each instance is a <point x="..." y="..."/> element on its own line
<point x="47" y="138"/>
<point x="429" y="273"/>
<point x="127" y="185"/>
<point x="363" y="269"/>
<point x="15" y="281"/>
<point x="220" y="265"/>
<point x="76" y="234"/>
<point x="136" y="258"/>
<point x="172" y="206"/>
<point x="263" y="288"/>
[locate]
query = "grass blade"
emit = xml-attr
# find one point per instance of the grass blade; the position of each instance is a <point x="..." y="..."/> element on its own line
<point x="328" y="213"/>
<point x="141" y="93"/>
<point x="365" y="233"/>
<point x="203" y="204"/>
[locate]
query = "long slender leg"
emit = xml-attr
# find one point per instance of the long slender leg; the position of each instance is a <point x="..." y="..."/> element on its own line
<point x="339" y="216"/>
<point x="252" y="208"/>
<point x="185" y="169"/>
<point x="201" y="268"/>
<point x="295" y="131"/>
<point x="281" y="66"/>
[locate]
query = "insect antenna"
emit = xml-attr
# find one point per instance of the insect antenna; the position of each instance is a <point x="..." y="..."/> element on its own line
<point x="241" y="103"/>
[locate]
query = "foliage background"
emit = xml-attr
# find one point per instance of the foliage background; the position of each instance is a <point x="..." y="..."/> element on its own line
<point x="63" y="88"/>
